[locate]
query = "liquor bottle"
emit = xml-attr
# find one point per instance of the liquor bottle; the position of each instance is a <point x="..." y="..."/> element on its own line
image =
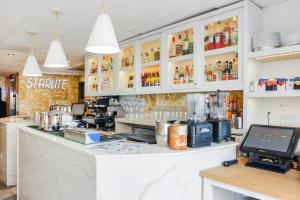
<point x="179" y="46"/>
<point x="234" y="69"/>
<point x="172" y="50"/>
<point x="229" y="71"/>
<point x="131" y="58"/>
<point x="185" y="44"/>
<point x="191" y="47"/>
<point x="206" y="38"/>
<point x="218" y="36"/>
<point x="191" y="74"/>
<point x="225" y="71"/>
<point x="181" y="75"/>
<point x="110" y="64"/>
<point x="211" y="38"/>
<point x="157" y="81"/>
<point x="226" y="34"/>
<point x="154" y="78"/>
<point x="208" y="72"/>
<point x="130" y="80"/>
<point x="219" y="71"/>
<point x="143" y="79"/>
<point x="157" y="54"/>
<point x="126" y="57"/>
<point x="234" y="31"/>
<point x="186" y="74"/>
<point x="176" y="76"/>
<point x="152" y="58"/>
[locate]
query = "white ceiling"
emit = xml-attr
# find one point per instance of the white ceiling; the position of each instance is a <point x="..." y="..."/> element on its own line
<point x="129" y="17"/>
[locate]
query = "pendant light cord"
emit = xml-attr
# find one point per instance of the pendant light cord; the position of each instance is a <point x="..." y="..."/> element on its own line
<point x="103" y="7"/>
<point x="31" y="43"/>
<point x="55" y="28"/>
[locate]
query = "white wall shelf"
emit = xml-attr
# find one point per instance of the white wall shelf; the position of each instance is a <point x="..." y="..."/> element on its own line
<point x="181" y="58"/>
<point x="268" y="94"/>
<point x="221" y="51"/>
<point x="149" y="64"/>
<point x="277" y="54"/>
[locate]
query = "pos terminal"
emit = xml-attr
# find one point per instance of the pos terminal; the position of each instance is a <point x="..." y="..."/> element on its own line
<point x="270" y="147"/>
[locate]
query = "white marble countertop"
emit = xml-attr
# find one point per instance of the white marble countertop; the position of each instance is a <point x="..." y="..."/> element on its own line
<point x="138" y="149"/>
<point x="15" y="120"/>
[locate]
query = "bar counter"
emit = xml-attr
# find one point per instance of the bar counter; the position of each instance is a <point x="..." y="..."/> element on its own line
<point x="53" y="168"/>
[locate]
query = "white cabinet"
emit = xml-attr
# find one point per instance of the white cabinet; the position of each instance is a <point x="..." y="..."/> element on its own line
<point x="149" y="65"/>
<point x="107" y="74"/>
<point x="221" y="52"/>
<point x="92" y="74"/>
<point x="180" y="58"/>
<point x="203" y="54"/>
<point x="126" y="69"/>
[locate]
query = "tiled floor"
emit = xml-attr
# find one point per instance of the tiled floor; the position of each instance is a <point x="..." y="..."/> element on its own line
<point x="8" y="193"/>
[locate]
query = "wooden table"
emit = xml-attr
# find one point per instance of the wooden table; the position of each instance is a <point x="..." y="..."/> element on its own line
<point x="251" y="182"/>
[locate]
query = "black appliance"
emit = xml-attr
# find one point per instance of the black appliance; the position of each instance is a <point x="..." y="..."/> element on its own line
<point x="105" y="122"/>
<point x="221" y="130"/>
<point x="146" y="135"/>
<point x="270" y="147"/>
<point x="199" y="134"/>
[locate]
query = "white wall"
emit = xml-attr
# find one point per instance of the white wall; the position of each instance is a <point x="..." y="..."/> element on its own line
<point x="283" y="18"/>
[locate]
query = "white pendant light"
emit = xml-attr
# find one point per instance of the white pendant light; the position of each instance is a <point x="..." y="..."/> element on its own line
<point x="103" y="39"/>
<point x="56" y="57"/>
<point x="31" y="67"/>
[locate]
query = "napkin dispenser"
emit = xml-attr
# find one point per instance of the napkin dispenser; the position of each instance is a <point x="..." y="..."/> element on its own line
<point x="83" y="136"/>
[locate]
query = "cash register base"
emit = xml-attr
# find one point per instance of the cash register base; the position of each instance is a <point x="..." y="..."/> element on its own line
<point x="270" y="163"/>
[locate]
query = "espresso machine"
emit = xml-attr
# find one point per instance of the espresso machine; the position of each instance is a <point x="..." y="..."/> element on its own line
<point x="217" y="105"/>
<point x="101" y="113"/>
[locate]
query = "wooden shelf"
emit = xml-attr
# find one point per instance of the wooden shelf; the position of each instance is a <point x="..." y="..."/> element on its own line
<point x="225" y="50"/>
<point x="181" y="58"/>
<point x="268" y="94"/>
<point x="150" y="64"/>
<point x="277" y="54"/>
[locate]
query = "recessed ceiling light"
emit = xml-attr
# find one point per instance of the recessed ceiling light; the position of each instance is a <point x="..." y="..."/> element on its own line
<point x="10" y="54"/>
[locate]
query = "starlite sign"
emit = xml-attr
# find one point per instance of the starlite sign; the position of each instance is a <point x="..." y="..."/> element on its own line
<point x="46" y="83"/>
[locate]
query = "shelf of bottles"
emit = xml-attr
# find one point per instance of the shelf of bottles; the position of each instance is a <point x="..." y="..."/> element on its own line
<point x="150" y="58"/>
<point x="180" y="58"/>
<point x="126" y="69"/>
<point x="93" y="79"/>
<point x="221" y="52"/>
<point x="107" y="73"/>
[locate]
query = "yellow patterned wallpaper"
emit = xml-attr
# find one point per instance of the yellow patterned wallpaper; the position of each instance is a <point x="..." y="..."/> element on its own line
<point x="32" y="100"/>
<point x="179" y="99"/>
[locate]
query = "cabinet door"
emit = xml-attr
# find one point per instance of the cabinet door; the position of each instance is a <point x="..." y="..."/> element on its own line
<point x="92" y="75"/>
<point x="221" y="50"/>
<point x="180" y="57"/>
<point x="126" y="69"/>
<point x="107" y="74"/>
<point x="149" y="66"/>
